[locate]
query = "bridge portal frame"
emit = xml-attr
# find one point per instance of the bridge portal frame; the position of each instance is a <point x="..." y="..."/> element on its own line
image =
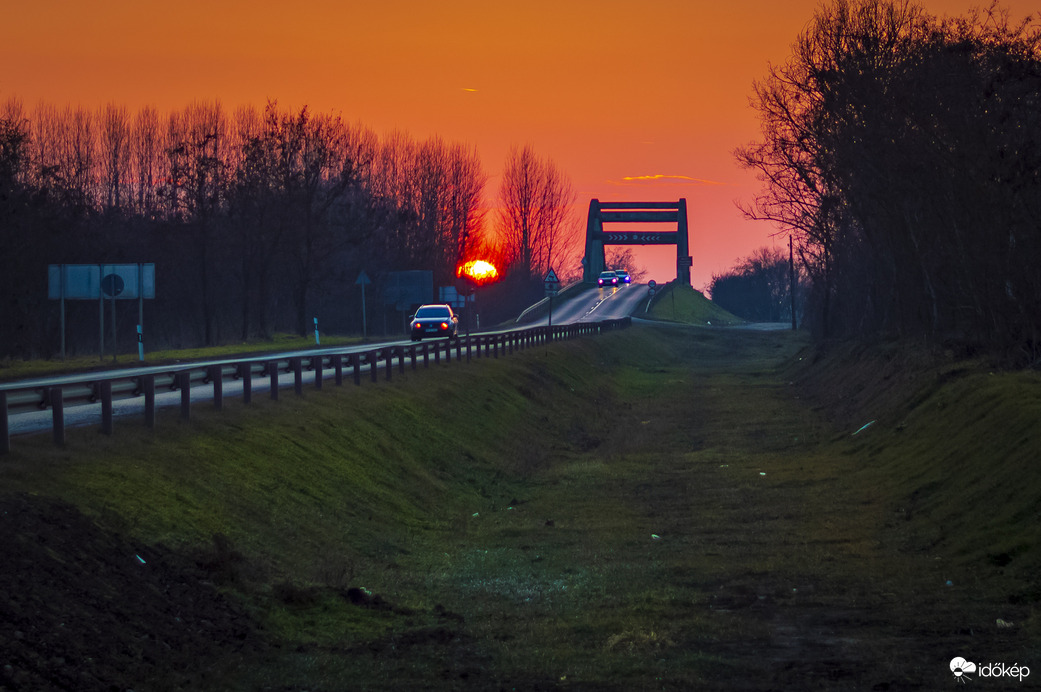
<point x="636" y="212"/>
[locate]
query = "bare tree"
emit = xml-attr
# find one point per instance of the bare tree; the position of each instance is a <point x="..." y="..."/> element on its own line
<point x="463" y="217"/>
<point x="148" y="162"/>
<point x="198" y="152"/>
<point x="64" y="153"/>
<point x="114" y="154"/>
<point x="432" y="196"/>
<point x="896" y="152"/>
<point x="536" y="222"/>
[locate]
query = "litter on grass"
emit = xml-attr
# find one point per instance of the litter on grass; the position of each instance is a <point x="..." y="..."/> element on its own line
<point x="865" y="427"/>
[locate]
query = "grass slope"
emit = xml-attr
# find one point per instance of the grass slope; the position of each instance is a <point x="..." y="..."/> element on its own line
<point x="658" y="508"/>
<point x="678" y="303"/>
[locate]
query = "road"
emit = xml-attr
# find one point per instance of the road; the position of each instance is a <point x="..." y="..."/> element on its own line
<point x="589" y="306"/>
<point x="596" y="305"/>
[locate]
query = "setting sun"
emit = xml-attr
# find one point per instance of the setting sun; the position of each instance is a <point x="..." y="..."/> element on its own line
<point x="478" y="271"/>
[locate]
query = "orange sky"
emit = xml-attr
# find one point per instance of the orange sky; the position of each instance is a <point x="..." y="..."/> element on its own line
<point x="611" y="90"/>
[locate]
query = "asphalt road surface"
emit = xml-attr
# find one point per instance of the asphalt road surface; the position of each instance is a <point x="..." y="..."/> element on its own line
<point x="588" y="306"/>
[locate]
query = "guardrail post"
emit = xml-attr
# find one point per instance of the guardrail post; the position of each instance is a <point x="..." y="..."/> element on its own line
<point x="458" y="349"/>
<point x="148" y="389"/>
<point x="373" y="359"/>
<point x="272" y="373"/>
<point x="298" y="375"/>
<point x="184" y="383"/>
<point x="388" y="356"/>
<point x="216" y="375"/>
<point x="245" y="373"/>
<point x="105" y="389"/>
<point x="469" y="349"/>
<point x="337" y="360"/>
<point x="495" y="345"/>
<point x="426" y="355"/>
<point x="412" y="355"/>
<point x="356" y="362"/>
<point x="57" y="416"/>
<point x="401" y="360"/>
<point x="448" y="351"/>
<point x="437" y="353"/>
<point x="316" y="365"/>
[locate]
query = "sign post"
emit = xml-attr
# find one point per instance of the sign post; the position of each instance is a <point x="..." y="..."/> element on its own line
<point x="652" y="286"/>
<point x="552" y="284"/>
<point x="99" y="281"/>
<point x="363" y="279"/>
<point x="112" y="285"/>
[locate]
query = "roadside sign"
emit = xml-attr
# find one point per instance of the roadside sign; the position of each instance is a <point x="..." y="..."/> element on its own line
<point x="552" y="283"/>
<point x="451" y="296"/>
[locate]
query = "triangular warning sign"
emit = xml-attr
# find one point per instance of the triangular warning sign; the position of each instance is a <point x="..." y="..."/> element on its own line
<point x="551" y="277"/>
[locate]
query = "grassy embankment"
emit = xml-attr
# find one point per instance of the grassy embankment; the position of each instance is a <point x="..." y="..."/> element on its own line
<point x="654" y="508"/>
<point x="683" y="304"/>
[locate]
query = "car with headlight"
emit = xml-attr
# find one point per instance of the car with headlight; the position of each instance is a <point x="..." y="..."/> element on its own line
<point x="623" y="276"/>
<point x="434" y="321"/>
<point x="607" y="278"/>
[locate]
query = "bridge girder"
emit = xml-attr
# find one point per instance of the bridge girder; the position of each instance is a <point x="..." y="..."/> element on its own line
<point x="636" y="212"/>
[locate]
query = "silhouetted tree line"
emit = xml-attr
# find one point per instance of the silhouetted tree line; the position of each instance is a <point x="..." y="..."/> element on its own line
<point x="903" y="153"/>
<point x="257" y="221"/>
<point x="759" y="288"/>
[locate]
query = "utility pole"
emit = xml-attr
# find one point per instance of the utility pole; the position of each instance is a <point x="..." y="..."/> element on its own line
<point x="791" y="277"/>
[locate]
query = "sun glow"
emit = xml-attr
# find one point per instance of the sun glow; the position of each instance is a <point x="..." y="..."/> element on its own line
<point x="478" y="271"/>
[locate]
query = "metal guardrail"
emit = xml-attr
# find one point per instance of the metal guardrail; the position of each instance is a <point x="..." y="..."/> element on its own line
<point x="96" y="387"/>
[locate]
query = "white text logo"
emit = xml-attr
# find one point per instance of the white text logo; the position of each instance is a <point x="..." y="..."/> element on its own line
<point x="961" y="669"/>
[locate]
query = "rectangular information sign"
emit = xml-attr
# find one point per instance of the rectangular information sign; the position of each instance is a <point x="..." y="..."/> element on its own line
<point x="94" y="281"/>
